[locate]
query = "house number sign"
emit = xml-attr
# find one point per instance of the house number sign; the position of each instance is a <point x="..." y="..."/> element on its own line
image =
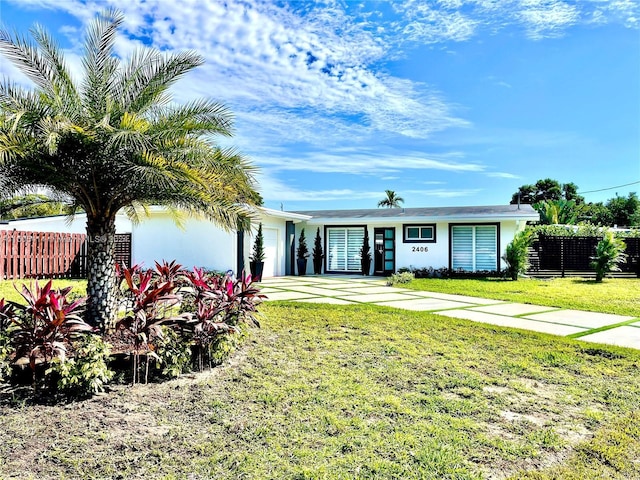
<point x="420" y="249"/>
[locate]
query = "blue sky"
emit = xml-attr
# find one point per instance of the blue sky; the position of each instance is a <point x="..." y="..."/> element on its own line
<point x="450" y="102"/>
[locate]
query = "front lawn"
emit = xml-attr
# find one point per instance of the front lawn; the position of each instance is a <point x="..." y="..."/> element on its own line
<point x="9" y="292"/>
<point x="619" y="296"/>
<point x="345" y="392"/>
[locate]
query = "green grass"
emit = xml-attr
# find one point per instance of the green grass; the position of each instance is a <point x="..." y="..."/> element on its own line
<point x="354" y="392"/>
<point x="8" y="287"/>
<point x="619" y="296"/>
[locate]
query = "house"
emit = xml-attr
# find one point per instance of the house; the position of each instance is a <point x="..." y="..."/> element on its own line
<point x="469" y="238"/>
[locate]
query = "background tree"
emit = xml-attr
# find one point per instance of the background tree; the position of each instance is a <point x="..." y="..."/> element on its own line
<point x="29" y="206"/>
<point x="596" y="213"/>
<point x="624" y="211"/>
<point x="115" y="141"/>
<point x="545" y="190"/>
<point x="392" y="200"/>
<point x="558" y="212"/>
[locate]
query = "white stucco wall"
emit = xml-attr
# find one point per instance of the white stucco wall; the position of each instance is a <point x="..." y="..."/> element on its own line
<point x="199" y="243"/>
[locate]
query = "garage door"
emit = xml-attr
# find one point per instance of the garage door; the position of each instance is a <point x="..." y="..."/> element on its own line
<point x="270" y="253"/>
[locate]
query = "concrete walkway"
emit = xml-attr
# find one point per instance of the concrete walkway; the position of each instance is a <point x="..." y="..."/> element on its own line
<point x="342" y="290"/>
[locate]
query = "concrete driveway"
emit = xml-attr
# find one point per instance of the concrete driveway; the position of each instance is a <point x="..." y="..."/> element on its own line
<point x="344" y="290"/>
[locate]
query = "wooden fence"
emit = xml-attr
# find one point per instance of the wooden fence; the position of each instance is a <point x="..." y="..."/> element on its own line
<point x="50" y="254"/>
<point x="552" y="255"/>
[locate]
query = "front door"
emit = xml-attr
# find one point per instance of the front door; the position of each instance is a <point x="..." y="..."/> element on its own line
<point x="384" y="262"/>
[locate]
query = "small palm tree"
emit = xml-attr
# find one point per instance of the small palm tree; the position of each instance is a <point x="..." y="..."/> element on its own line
<point x="517" y="254"/>
<point x="392" y="200"/>
<point x="114" y="141"/>
<point x="609" y="253"/>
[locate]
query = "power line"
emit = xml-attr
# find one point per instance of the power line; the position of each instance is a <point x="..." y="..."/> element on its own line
<point x="610" y="188"/>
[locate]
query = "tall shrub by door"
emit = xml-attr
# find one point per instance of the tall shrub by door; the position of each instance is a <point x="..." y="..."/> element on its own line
<point x="303" y="253"/>
<point x="318" y="254"/>
<point x="365" y="253"/>
<point x="256" y="263"/>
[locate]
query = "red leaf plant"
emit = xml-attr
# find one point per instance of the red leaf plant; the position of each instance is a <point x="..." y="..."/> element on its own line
<point x="45" y="326"/>
<point x="221" y="304"/>
<point x="151" y="296"/>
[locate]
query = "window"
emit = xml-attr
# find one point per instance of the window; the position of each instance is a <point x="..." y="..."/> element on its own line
<point x="343" y="248"/>
<point x="419" y="233"/>
<point x="474" y="247"/>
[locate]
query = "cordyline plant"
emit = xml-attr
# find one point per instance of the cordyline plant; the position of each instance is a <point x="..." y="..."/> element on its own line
<point x="113" y="140"/>
<point x="152" y="297"/>
<point x="221" y="304"/>
<point x="46" y="325"/>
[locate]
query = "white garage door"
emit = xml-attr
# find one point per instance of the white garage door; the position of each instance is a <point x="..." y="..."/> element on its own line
<point x="271" y="253"/>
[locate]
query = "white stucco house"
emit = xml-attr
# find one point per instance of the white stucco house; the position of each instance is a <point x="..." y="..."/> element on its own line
<point x="469" y="238"/>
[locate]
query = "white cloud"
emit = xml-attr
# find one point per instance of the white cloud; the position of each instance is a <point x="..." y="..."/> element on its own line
<point x="547" y="18"/>
<point x="445" y="192"/>
<point x="502" y="175"/>
<point x="365" y="163"/>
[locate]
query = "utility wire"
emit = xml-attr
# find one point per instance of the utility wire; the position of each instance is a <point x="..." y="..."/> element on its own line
<point x="610" y="188"/>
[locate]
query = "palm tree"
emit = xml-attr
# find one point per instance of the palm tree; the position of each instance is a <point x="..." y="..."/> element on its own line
<point x="392" y="200"/>
<point x="114" y="141"/>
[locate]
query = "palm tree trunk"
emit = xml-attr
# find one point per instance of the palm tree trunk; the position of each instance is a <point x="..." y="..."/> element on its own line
<point x="101" y="281"/>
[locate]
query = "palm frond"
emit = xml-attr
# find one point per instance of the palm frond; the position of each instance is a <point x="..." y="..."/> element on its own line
<point x="65" y="95"/>
<point x="23" y="106"/>
<point x="135" y="211"/>
<point x="131" y="133"/>
<point x="27" y="59"/>
<point x="151" y="79"/>
<point x="99" y="63"/>
<point x="198" y="117"/>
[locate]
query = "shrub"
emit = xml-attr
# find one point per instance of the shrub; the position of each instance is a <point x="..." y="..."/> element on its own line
<point x="88" y="371"/>
<point x="224" y="345"/>
<point x="318" y="253"/>
<point x="258" y="247"/>
<point x="365" y="253"/>
<point x="303" y="251"/>
<point x="7" y="312"/>
<point x="609" y="253"/>
<point x="517" y="254"/>
<point x="5" y="355"/>
<point x="173" y="353"/>
<point x="400" y="278"/>
<point x="430" y="272"/>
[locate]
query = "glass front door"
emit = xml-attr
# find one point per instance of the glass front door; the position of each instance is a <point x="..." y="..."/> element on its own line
<point x="385" y="251"/>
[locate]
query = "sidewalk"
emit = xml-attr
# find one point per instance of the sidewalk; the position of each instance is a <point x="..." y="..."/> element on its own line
<point x="344" y="290"/>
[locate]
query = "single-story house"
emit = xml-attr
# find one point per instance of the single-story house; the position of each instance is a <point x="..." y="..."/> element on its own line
<point x="469" y="238"/>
